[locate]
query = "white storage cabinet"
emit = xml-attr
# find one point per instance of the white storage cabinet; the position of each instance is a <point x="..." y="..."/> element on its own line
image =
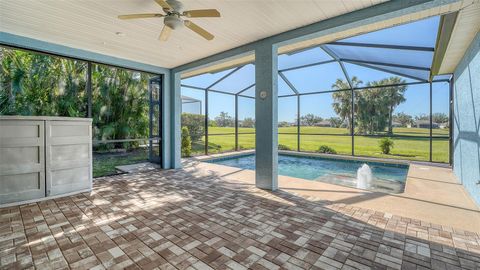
<point x="42" y="157"/>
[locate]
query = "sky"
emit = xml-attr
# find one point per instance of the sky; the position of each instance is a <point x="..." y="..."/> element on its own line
<point x="321" y="77"/>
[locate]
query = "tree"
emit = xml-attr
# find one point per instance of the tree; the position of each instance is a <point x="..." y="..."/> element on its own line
<point x="423" y="117"/>
<point x="120" y="109"/>
<point x="342" y="104"/>
<point x="335" y="122"/>
<point x="403" y="118"/>
<point x="248" y="123"/>
<point x="439" y="118"/>
<point x="186" y="148"/>
<point x="392" y="96"/>
<point x="373" y="106"/>
<point x="195" y="123"/>
<point x="38" y="84"/>
<point x="224" y="120"/>
<point x="212" y="123"/>
<point x="371" y="111"/>
<point x="283" y="124"/>
<point x="310" y="120"/>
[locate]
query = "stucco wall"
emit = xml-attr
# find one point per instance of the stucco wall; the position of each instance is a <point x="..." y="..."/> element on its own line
<point x="467" y="120"/>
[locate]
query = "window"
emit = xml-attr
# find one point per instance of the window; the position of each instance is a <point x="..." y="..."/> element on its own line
<point x="36" y="84"/>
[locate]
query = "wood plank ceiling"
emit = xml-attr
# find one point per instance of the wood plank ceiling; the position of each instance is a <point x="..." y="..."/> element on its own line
<point x="92" y="25"/>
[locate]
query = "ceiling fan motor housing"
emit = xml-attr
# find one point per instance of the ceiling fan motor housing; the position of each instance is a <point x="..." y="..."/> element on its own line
<point x="173" y="21"/>
<point x="176" y="5"/>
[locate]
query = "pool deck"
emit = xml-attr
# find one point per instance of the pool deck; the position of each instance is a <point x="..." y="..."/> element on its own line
<point x="432" y="192"/>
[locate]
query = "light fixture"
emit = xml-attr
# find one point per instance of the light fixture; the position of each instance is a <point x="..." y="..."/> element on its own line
<point x="173" y="21"/>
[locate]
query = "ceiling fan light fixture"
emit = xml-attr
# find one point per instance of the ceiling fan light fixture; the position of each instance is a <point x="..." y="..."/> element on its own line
<point x="173" y="21"/>
<point x="172" y="18"/>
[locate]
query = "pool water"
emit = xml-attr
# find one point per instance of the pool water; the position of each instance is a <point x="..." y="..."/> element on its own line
<point x="387" y="177"/>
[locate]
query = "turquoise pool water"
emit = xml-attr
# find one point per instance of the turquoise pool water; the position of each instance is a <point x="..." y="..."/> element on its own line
<point x="386" y="177"/>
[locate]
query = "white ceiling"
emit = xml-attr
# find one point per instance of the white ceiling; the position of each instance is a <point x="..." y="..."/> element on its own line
<point x="91" y="25"/>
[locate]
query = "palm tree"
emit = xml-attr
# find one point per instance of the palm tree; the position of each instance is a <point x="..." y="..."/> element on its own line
<point x="342" y="104"/>
<point x="38" y="84"/>
<point x="392" y="96"/>
<point x="120" y="107"/>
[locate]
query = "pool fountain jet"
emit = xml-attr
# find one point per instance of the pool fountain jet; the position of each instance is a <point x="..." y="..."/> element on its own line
<point x="364" y="177"/>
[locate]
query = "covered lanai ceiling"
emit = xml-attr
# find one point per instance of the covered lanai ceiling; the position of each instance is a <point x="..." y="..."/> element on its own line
<point x="92" y="25"/>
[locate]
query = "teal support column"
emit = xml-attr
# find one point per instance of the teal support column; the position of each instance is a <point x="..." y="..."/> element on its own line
<point x="166" y="121"/>
<point x="266" y="113"/>
<point x="176" y="111"/>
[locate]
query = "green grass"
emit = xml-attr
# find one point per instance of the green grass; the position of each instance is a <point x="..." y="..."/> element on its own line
<point x="404" y="148"/>
<point x="105" y="163"/>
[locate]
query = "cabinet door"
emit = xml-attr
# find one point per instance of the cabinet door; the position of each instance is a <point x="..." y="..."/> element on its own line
<point x="68" y="156"/>
<point x="22" y="156"/>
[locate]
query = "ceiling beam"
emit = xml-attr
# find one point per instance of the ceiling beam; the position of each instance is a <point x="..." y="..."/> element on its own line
<point x="308" y="65"/>
<point x="388" y="71"/>
<point x="246" y="88"/>
<point x="383" y="46"/>
<point x="287" y="81"/>
<point x="384" y="64"/>
<point x="342" y="66"/>
<point x="223" y="77"/>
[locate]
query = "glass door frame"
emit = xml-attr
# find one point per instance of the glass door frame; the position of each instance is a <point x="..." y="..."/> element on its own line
<point x="155" y="102"/>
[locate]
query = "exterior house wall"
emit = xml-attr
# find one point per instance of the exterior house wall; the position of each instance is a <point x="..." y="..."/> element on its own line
<point x="466" y="124"/>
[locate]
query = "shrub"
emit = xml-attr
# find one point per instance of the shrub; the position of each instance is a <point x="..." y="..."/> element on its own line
<point x="186" y="143"/>
<point x="326" y="150"/>
<point x="283" y="147"/>
<point x="195" y="123"/>
<point x="386" y="145"/>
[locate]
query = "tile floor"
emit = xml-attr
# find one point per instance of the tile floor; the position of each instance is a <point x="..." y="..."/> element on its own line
<point x="179" y="220"/>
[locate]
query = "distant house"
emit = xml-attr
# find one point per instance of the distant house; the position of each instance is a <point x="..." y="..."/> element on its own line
<point x="426" y="124"/>
<point x="324" y="123"/>
<point x="396" y="124"/>
<point x="444" y="125"/>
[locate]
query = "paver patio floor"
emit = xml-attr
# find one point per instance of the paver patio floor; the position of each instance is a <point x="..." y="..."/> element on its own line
<point x="180" y="220"/>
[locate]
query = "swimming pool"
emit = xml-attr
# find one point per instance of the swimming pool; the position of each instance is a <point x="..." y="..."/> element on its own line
<point x="387" y="177"/>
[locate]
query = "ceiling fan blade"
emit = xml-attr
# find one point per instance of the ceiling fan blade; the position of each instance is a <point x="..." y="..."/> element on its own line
<point x="140" y="16"/>
<point x="165" y="33"/>
<point x="201" y="13"/>
<point x="164" y="4"/>
<point x="197" y="29"/>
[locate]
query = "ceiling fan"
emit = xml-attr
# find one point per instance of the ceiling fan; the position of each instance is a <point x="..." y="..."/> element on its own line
<point x="173" y="18"/>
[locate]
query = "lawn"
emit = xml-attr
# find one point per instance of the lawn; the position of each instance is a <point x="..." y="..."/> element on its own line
<point x="105" y="163"/>
<point x="405" y="148"/>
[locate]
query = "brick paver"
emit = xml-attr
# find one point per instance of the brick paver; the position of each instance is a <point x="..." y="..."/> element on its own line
<point x="175" y="220"/>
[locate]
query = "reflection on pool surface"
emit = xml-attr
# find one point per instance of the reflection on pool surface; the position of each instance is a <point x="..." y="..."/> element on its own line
<point x="386" y="177"/>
